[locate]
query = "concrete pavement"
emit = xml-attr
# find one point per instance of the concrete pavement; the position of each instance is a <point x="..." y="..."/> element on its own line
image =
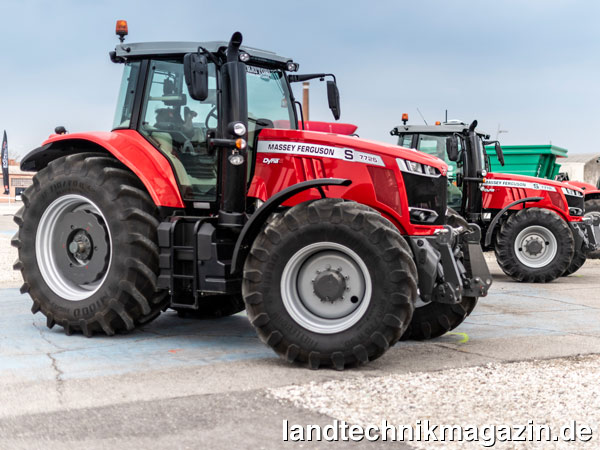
<point x="202" y="384"/>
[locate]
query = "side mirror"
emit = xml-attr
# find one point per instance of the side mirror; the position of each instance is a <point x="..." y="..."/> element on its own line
<point x="498" y="148"/>
<point x="333" y="97"/>
<point x="195" y="69"/>
<point x="452" y="148"/>
<point x="499" y="153"/>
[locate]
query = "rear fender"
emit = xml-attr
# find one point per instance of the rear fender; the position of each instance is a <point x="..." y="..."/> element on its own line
<point x="128" y="146"/>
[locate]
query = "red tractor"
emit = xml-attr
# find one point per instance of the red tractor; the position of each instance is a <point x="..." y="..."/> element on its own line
<point x="536" y="226"/>
<point x="592" y="203"/>
<point x="207" y="197"/>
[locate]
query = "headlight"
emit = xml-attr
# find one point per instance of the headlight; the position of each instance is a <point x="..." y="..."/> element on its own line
<point x="406" y="165"/>
<point x="572" y="192"/>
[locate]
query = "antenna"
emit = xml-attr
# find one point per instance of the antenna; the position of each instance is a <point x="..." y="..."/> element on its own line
<point x="422" y="117"/>
<point x="500" y="131"/>
<point x="446" y="121"/>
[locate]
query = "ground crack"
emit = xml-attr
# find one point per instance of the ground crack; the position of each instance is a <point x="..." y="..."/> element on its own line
<point x="58" y="373"/>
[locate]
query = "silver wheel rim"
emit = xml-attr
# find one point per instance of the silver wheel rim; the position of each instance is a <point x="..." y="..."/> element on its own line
<point x="535" y="246"/>
<point x="45" y="250"/>
<point x="303" y="303"/>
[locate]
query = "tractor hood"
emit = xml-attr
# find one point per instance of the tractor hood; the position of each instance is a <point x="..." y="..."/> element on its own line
<point x="524" y="181"/>
<point x="341" y="143"/>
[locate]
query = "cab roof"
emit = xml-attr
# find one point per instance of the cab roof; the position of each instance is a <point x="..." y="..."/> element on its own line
<point x="430" y="129"/>
<point x="142" y="49"/>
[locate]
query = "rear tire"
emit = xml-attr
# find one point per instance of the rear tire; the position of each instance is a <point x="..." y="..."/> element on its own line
<point x="87" y="246"/>
<point x="434" y="319"/>
<point x="592" y="208"/>
<point x="578" y="260"/>
<point x="534" y="245"/>
<point x="376" y="268"/>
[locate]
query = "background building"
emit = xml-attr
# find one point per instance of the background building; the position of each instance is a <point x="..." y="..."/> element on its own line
<point x="582" y="167"/>
<point x="18" y="180"/>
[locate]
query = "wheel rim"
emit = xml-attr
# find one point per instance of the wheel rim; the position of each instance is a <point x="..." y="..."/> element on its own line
<point x="73" y="247"/>
<point x="535" y="246"/>
<point x="326" y="287"/>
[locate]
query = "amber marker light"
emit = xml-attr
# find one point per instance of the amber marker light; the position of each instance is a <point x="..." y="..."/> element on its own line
<point x="121" y="29"/>
<point x="240" y="144"/>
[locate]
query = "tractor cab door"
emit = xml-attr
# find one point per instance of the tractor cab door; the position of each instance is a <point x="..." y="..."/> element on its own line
<point x="179" y="126"/>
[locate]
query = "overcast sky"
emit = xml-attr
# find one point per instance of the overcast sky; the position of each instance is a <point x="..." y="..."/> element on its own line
<point x="529" y="67"/>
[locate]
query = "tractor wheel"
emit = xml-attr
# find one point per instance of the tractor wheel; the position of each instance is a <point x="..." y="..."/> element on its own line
<point x="534" y="245"/>
<point x="433" y="319"/>
<point x="329" y="283"/>
<point x="592" y="209"/>
<point x="578" y="260"/>
<point x="214" y="307"/>
<point x="87" y="246"/>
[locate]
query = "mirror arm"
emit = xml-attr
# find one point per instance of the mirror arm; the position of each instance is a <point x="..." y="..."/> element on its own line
<point x="299" y="105"/>
<point x="209" y="55"/>
<point x="310" y="76"/>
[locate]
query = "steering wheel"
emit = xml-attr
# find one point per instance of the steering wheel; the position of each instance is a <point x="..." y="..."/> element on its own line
<point x="211" y="114"/>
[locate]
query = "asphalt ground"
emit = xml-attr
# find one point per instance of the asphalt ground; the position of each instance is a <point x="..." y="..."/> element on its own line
<point x="183" y="383"/>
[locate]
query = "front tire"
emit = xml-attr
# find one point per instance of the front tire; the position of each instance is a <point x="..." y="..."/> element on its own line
<point x="534" y="245"/>
<point x="87" y="246"/>
<point x="327" y="284"/>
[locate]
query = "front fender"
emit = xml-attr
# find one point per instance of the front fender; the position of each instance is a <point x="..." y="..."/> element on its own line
<point x="496" y="219"/>
<point x="256" y="221"/>
<point x="128" y="146"/>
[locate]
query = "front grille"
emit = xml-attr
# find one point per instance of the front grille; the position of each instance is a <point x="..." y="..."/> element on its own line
<point x="427" y="193"/>
<point x="575" y="202"/>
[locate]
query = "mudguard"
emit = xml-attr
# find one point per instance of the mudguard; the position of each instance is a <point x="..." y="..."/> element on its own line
<point x="128" y="146"/>
<point x="257" y="220"/>
<point x="496" y="219"/>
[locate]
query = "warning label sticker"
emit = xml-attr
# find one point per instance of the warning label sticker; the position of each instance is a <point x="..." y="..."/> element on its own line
<point x="518" y="184"/>
<point x="301" y="148"/>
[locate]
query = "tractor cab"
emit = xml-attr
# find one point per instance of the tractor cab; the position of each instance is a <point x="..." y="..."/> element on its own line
<point x="463" y="149"/>
<point x="155" y="101"/>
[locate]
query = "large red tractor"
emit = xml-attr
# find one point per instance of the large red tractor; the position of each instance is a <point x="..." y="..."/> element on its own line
<point x="207" y="197"/>
<point x="536" y="226"/>
<point x="592" y="204"/>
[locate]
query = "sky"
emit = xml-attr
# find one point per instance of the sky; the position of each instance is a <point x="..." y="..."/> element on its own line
<point x="528" y="67"/>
